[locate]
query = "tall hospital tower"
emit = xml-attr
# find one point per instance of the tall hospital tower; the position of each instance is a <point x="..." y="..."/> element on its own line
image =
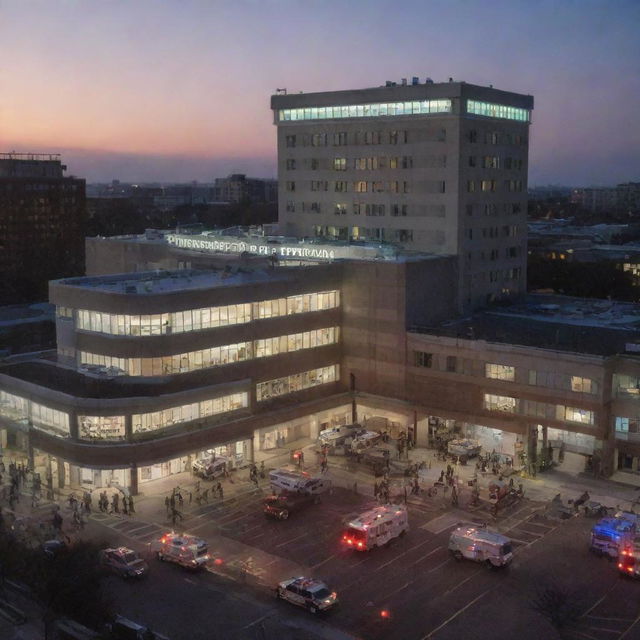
<point x="434" y="167"/>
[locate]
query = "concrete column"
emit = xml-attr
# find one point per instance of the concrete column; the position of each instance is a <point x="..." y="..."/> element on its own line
<point x="61" y="473"/>
<point x="133" y="479"/>
<point x="128" y="427"/>
<point x="73" y="424"/>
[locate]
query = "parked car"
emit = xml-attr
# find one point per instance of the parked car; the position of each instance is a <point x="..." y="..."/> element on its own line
<point x="125" y="629"/>
<point x="124" y="562"/>
<point x="288" y="502"/>
<point x="309" y="593"/>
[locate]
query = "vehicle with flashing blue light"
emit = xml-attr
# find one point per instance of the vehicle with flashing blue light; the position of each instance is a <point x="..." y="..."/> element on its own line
<point x="610" y="535"/>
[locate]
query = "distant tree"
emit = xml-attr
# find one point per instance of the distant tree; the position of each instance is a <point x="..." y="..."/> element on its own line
<point x="559" y="604"/>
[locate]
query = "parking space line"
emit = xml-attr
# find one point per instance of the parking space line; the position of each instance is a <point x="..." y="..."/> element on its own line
<point x="456" y="614"/>
<point x="382" y="566"/>
<point x="440" y="565"/>
<point x="302" y="535"/>
<point x="316" y="566"/>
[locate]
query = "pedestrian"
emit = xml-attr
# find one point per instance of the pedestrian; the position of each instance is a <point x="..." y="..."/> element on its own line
<point x="125" y="506"/>
<point x="172" y="499"/>
<point x="190" y="497"/>
<point x="197" y="486"/>
<point x="405" y="494"/>
<point x="205" y="495"/>
<point x="441" y="479"/>
<point x="323" y="465"/>
<point x="376" y="490"/>
<point x="174" y="515"/>
<point x="167" y="503"/>
<point x="115" y="502"/>
<point x="416" y="486"/>
<point x="220" y="491"/>
<point x="57" y="521"/>
<point x="131" y="509"/>
<point x="454" y="496"/>
<point x="180" y="500"/>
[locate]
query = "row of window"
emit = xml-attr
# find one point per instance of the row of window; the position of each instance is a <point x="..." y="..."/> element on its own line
<point x="212" y="357"/>
<point x="297" y="382"/>
<point x="497" y="137"/>
<point x="494" y="209"/>
<point x="493" y="162"/>
<point x="341" y="139"/>
<point x="374" y="110"/>
<point x="376" y="234"/>
<point x="546" y="410"/>
<point x="362" y="208"/>
<point x="492" y="110"/>
<point x="512" y="186"/>
<point x="507" y="231"/>
<point x="198" y="319"/>
<point x="508" y="373"/>
<point x="145" y="422"/>
<point x="362" y="186"/>
<point x="361" y="164"/>
<point x="45" y="418"/>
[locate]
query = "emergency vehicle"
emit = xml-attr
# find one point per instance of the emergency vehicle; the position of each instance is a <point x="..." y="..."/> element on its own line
<point x="608" y="535"/>
<point x="309" y="593"/>
<point x="183" y="549"/>
<point x="376" y="527"/>
<point x="210" y="468"/>
<point x="365" y="440"/>
<point x="480" y="545"/>
<point x="629" y="558"/>
<point x="336" y="436"/>
<point x="298" y="481"/>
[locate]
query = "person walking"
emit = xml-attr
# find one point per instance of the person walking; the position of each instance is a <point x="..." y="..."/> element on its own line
<point x="180" y="500"/>
<point x="167" y="504"/>
<point x="174" y="515"/>
<point x="125" y="506"/>
<point x="454" y="495"/>
<point x="220" y="491"/>
<point x="131" y="509"/>
<point x="376" y="490"/>
<point x="190" y="497"/>
<point x="205" y="495"/>
<point x="115" y="502"/>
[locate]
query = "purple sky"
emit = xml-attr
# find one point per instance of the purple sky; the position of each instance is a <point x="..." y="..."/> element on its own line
<point x="179" y="90"/>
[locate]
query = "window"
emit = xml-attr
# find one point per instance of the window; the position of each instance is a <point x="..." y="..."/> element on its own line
<point x="500" y="403"/>
<point x="490" y="162"/>
<point x="572" y="414"/>
<point x="340" y="139"/>
<point x="500" y="372"/>
<point x="290" y="185"/>
<point x="360" y="186"/>
<point x="291" y="164"/>
<point x="452" y="362"/>
<point x="319" y="140"/>
<point x="341" y="186"/>
<point x="488" y="185"/>
<point x="491" y="110"/>
<point x="471" y="186"/>
<point x="582" y="385"/>
<point x="291" y="206"/>
<point x="297" y="382"/>
<point x="290" y="141"/>
<point x="340" y="164"/>
<point x="473" y="137"/>
<point x="622" y="424"/>
<point x="422" y="359"/>
<point x="340" y="209"/>
<point x="472" y="161"/>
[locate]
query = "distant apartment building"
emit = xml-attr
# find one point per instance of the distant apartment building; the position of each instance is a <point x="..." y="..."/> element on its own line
<point x="623" y="196"/>
<point x="237" y="187"/>
<point x="434" y="167"/>
<point x="42" y="223"/>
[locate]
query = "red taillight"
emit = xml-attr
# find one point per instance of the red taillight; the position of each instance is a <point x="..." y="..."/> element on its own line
<point x="385" y="614"/>
<point x="360" y="545"/>
<point x="218" y="561"/>
<point x="620" y="565"/>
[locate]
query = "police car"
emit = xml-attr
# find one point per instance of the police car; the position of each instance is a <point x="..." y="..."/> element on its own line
<point x="309" y="593"/>
<point x="123" y="562"/>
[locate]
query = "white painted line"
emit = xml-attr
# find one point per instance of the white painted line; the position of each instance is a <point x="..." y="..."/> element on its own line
<point x="461" y="583"/>
<point x="302" y="535"/>
<point x="440" y="565"/>
<point x="260" y="619"/>
<point x="456" y="614"/>
<point x="315" y="566"/>
<point x="404" y="553"/>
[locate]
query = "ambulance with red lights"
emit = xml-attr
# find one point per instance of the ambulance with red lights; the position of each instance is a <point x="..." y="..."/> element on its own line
<point x="183" y="549"/>
<point x="376" y="527"/>
<point x="629" y="557"/>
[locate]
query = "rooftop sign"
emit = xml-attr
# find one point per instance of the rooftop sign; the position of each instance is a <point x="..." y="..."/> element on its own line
<point x="261" y="247"/>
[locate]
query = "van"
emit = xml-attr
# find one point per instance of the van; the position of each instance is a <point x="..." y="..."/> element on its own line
<point x="125" y="629"/>
<point x="477" y="543"/>
<point x="210" y="468"/>
<point x="298" y="481"/>
<point x="376" y="527"/>
<point x="365" y="440"/>
<point x="183" y="549"/>
<point x="336" y="436"/>
<point x="609" y="535"/>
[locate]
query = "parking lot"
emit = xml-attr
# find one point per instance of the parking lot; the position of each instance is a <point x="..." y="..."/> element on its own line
<point x="423" y="591"/>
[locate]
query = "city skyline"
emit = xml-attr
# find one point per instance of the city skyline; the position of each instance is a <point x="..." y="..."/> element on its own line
<point x="192" y="101"/>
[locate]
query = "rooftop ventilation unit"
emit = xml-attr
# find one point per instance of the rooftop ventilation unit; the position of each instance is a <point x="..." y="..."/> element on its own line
<point x="404" y="82"/>
<point x="429" y="81"/>
<point x="388" y="83"/>
<point x="415" y="80"/>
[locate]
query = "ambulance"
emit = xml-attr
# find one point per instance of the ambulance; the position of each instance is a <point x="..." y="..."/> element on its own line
<point x="477" y="543"/>
<point x="298" y="482"/>
<point x="609" y="535"/>
<point x="183" y="549"/>
<point x="376" y="527"/>
<point x="629" y="557"/>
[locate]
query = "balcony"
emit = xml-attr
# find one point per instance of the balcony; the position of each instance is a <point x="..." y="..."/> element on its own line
<point x="628" y="436"/>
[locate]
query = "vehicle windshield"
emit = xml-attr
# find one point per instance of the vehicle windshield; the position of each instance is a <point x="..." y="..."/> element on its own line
<point x="202" y="551"/>
<point x="355" y="534"/>
<point x="322" y="593"/>
<point x="506" y="548"/>
<point x="130" y="557"/>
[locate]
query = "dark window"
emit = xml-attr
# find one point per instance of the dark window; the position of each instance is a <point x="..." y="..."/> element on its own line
<point x="422" y="359"/>
<point x="451" y="363"/>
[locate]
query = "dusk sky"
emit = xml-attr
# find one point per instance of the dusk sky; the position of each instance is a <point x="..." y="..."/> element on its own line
<point x="179" y="90"/>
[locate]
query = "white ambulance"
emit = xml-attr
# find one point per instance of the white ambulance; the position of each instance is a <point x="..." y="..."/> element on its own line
<point x="477" y="543"/>
<point x="298" y="481"/>
<point x="376" y="527"/>
<point x="183" y="549"/>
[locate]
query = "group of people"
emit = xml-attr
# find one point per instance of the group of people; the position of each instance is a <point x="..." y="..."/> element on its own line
<point x="113" y="506"/>
<point x="254" y="473"/>
<point x="381" y="490"/>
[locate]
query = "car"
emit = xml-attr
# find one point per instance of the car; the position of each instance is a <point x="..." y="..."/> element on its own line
<point x="283" y="505"/>
<point x="309" y="593"/>
<point x="125" y="629"/>
<point x="123" y="562"/>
